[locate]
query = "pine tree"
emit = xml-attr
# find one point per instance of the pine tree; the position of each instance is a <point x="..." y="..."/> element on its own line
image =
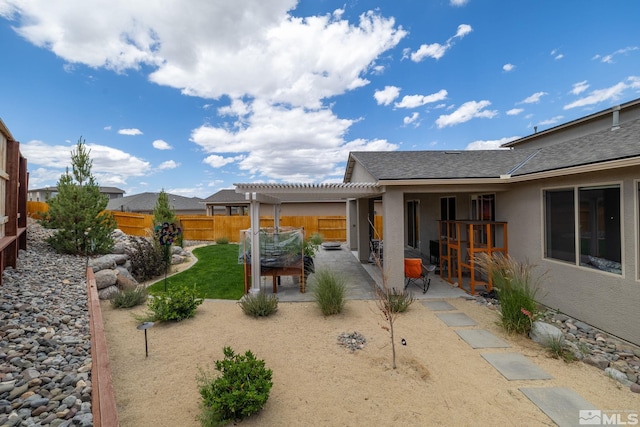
<point x="162" y="212"/>
<point x="77" y="212"/>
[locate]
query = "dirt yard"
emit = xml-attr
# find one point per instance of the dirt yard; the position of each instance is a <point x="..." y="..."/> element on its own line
<point x="440" y="379"/>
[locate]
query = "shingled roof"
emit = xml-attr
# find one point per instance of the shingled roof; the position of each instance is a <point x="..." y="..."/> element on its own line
<point x="145" y="202"/>
<point x="598" y="147"/>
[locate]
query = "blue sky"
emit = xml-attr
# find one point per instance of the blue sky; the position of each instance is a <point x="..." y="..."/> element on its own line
<point x="193" y="96"/>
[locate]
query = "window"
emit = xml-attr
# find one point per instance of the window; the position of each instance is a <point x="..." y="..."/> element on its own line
<point x="448" y="208"/>
<point x="483" y="207"/>
<point x="597" y="234"/>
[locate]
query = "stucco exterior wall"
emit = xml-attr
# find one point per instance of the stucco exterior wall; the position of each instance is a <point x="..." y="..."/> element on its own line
<point x="605" y="300"/>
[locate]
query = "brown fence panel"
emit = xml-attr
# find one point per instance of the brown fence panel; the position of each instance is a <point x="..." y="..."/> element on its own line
<point x="377" y="223"/>
<point x="133" y="224"/>
<point x="198" y="227"/>
<point x="35" y="209"/>
<point x="333" y="228"/>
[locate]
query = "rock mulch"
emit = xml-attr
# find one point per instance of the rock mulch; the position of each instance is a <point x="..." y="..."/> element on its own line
<point x="45" y="342"/>
<point x="352" y="340"/>
<point x="618" y="359"/>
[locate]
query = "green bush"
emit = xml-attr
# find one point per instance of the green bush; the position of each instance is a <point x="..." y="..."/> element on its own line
<point x="398" y="302"/>
<point x="147" y="259"/>
<point x="222" y="241"/>
<point x="241" y="390"/>
<point x="129" y="297"/>
<point x="259" y="305"/>
<point x="516" y="288"/>
<point x="329" y="292"/>
<point x="176" y="305"/>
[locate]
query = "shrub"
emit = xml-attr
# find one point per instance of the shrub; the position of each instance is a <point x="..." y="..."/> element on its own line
<point x="398" y="302"/>
<point x="129" y="297"/>
<point x="241" y="390"/>
<point x="329" y="292"/>
<point x="259" y="305"/>
<point x="222" y="241"/>
<point x="556" y="347"/>
<point x="176" y="305"/>
<point x="516" y="288"/>
<point x="147" y="259"/>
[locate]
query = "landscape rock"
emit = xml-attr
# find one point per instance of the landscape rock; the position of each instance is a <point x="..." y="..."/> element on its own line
<point x="106" y="278"/>
<point x="543" y="333"/>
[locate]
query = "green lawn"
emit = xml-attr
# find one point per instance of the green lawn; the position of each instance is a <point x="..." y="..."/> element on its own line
<point x="216" y="274"/>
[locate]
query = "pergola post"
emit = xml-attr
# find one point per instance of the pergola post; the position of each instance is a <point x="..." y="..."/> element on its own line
<point x="254" y="209"/>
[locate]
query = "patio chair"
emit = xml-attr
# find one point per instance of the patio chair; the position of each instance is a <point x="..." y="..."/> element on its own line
<point x="415" y="271"/>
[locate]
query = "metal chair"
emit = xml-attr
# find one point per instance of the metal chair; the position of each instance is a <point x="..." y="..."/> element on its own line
<point x="414" y="271"/>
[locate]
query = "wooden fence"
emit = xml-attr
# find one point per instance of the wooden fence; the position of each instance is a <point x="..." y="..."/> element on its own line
<point x="211" y="228"/>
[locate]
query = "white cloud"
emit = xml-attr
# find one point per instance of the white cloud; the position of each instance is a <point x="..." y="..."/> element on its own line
<point x="132" y="132"/>
<point x="411" y="119"/>
<point x="458" y="3"/>
<point x="467" y="111"/>
<point x="579" y="87"/>
<point x="533" y="99"/>
<point x="556" y="54"/>
<point x="110" y="165"/>
<point x="107" y="128"/>
<point x="514" y="111"/>
<point x="437" y="50"/>
<point x="386" y="95"/>
<point x="169" y="164"/>
<point x="216" y="161"/>
<point x="607" y="94"/>
<point x="609" y="57"/>
<point x="491" y="144"/>
<point x="290" y="144"/>
<point x="159" y="144"/>
<point x="508" y="67"/>
<point x="413" y="101"/>
<point x="551" y="121"/>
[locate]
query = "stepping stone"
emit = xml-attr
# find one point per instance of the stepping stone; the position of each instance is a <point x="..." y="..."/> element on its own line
<point x="481" y="338"/>
<point x="456" y="319"/>
<point x="515" y="366"/>
<point x="563" y="405"/>
<point x="438" y="305"/>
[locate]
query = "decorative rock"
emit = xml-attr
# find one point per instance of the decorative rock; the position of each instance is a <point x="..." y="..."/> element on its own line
<point x="543" y="333"/>
<point x="635" y="388"/>
<point x="106" y="278"/>
<point x="106" y="293"/>
<point x="618" y="376"/>
<point x="597" y="361"/>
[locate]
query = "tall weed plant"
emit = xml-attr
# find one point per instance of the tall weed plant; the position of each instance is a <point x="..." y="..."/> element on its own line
<point x="516" y="286"/>
<point x="329" y="292"/>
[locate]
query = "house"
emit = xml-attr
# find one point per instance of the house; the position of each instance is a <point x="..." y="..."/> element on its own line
<point x="569" y="199"/>
<point x="229" y="202"/>
<point x="566" y="199"/>
<point x="13" y="199"/>
<point x="44" y="194"/>
<point x="145" y="203"/>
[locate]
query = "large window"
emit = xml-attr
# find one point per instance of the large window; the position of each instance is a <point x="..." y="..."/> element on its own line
<point x="598" y="243"/>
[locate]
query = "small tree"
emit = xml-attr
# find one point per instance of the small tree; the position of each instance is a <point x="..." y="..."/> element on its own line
<point x="78" y="210"/>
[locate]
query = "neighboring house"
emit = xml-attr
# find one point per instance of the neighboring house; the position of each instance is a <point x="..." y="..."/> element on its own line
<point x="13" y="199"/>
<point x="570" y="196"/>
<point x="44" y="194"/>
<point x="229" y="202"/>
<point x="146" y="202"/>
